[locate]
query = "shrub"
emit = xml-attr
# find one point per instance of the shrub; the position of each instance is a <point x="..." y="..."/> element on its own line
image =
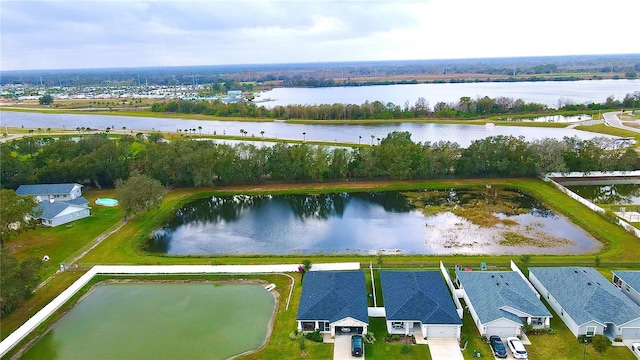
<point x="601" y="343"/>
<point x="405" y="349"/>
<point x="302" y="344"/>
<point x="617" y="339"/>
<point x="583" y="338"/>
<point x="369" y="338"/>
<point x="395" y="337"/>
<point x="463" y="340"/>
<point x="295" y="334"/>
<point x="315" y="336"/>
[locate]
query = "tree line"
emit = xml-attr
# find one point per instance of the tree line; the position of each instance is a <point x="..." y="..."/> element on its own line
<point x="465" y="108"/>
<point x="98" y="161"/>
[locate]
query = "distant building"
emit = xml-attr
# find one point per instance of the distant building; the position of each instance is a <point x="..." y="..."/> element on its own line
<point x="58" y="203"/>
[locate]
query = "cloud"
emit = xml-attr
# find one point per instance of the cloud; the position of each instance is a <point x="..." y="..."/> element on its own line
<point x="88" y="34"/>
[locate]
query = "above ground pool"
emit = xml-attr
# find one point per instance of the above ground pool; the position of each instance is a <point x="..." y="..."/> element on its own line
<point x="107" y="202"/>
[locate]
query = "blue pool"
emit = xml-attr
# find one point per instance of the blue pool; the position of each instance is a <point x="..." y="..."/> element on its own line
<point x="107" y="202"/>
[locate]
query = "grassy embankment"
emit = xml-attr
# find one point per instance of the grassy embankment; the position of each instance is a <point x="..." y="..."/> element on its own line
<point x="124" y="247"/>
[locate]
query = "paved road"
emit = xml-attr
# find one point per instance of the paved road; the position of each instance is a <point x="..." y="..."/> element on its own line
<point x="611" y="119"/>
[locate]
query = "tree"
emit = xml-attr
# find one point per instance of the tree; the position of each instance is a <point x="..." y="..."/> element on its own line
<point x="15" y="211"/>
<point x="18" y="281"/>
<point x="139" y="193"/>
<point x="46" y="100"/>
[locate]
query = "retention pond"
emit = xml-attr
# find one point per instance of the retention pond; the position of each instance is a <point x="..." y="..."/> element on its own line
<point x="472" y="221"/>
<point x="200" y="320"/>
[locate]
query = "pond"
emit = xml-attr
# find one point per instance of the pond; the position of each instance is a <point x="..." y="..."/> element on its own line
<point x="620" y="194"/>
<point x="420" y="222"/>
<point x="464" y="135"/>
<point x="200" y="320"/>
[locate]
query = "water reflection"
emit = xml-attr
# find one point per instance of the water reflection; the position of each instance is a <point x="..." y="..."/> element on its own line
<point x="608" y="194"/>
<point x="368" y="223"/>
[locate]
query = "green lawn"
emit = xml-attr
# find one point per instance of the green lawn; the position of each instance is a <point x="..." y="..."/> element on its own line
<point x="124" y="247"/>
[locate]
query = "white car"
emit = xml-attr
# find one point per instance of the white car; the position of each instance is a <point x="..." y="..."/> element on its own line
<point x="635" y="349"/>
<point x="517" y="348"/>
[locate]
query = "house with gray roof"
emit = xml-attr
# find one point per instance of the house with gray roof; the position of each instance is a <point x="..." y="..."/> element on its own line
<point x="501" y="302"/>
<point x="419" y="301"/>
<point x="335" y="302"/>
<point x="587" y="302"/>
<point x="58" y="203"/>
<point x="628" y="281"/>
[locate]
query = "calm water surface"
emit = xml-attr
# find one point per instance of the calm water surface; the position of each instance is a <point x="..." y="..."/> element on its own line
<point x="623" y="194"/>
<point x="543" y="92"/>
<point x="356" y="223"/>
<point x="160" y="321"/>
<point x="464" y="135"/>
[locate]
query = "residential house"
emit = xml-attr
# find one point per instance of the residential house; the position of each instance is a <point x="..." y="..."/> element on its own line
<point x="587" y="302"/>
<point x="58" y="203"/>
<point x="629" y="282"/>
<point x="501" y="302"/>
<point x="419" y="301"/>
<point x="335" y="302"/>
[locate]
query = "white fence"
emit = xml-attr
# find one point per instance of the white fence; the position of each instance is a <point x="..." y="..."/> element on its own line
<point x="15" y="337"/>
<point x="630" y="228"/>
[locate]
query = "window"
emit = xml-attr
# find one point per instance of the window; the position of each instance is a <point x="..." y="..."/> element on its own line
<point x="308" y="325"/>
<point x="324" y="326"/>
<point x="397" y="324"/>
<point x="591" y="330"/>
<point x="627" y="287"/>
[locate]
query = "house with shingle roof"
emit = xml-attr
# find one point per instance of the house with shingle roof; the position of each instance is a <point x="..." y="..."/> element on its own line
<point x="419" y="301"/>
<point x="335" y="302"/>
<point x="628" y="281"/>
<point x="587" y="302"/>
<point x="501" y="302"/>
<point x="58" y="203"/>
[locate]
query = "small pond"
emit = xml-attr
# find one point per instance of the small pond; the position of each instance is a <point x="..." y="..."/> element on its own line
<point x="198" y="320"/>
<point x="621" y="194"/>
<point x="481" y="221"/>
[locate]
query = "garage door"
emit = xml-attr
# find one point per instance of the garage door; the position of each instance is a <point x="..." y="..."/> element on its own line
<point x="630" y="333"/>
<point x="348" y="330"/>
<point x="442" y="332"/>
<point x="501" y="331"/>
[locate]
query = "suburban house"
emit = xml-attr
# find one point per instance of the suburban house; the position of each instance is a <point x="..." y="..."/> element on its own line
<point x="335" y="302"/>
<point x="587" y="302"/>
<point x="419" y="302"/>
<point x="629" y="283"/>
<point x="502" y="302"/>
<point x="58" y="203"/>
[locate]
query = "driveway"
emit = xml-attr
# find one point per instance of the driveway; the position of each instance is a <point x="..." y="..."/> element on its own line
<point x="445" y="349"/>
<point x="342" y="348"/>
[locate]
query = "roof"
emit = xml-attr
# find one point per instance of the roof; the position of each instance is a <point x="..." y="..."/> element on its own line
<point x="333" y="296"/>
<point x="418" y="295"/>
<point x="492" y="292"/>
<point x="586" y="295"/>
<point x="630" y="277"/>
<point x="49" y="210"/>
<point x="45" y="189"/>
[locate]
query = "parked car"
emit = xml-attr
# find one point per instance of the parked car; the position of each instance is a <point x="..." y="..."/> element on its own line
<point x="497" y="346"/>
<point x="357" y="348"/>
<point x="635" y="349"/>
<point x="517" y="348"/>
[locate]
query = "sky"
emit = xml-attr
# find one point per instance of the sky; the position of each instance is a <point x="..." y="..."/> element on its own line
<point x="55" y="34"/>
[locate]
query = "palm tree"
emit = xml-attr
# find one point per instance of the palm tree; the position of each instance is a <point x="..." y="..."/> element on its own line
<point x="372" y="137"/>
<point x="107" y="130"/>
<point x="304" y="136"/>
<point x="200" y="129"/>
<point x="262" y="134"/>
<point x="124" y="128"/>
<point x="359" y="139"/>
<point x="242" y="132"/>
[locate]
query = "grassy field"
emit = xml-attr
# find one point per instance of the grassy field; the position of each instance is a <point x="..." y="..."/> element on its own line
<point x="125" y="247"/>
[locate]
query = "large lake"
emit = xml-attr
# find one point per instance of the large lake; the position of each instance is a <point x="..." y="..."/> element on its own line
<point x="160" y="321"/>
<point x="464" y="135"/>
<point x="543" y="92"/>
<point x="357" y="223"/>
